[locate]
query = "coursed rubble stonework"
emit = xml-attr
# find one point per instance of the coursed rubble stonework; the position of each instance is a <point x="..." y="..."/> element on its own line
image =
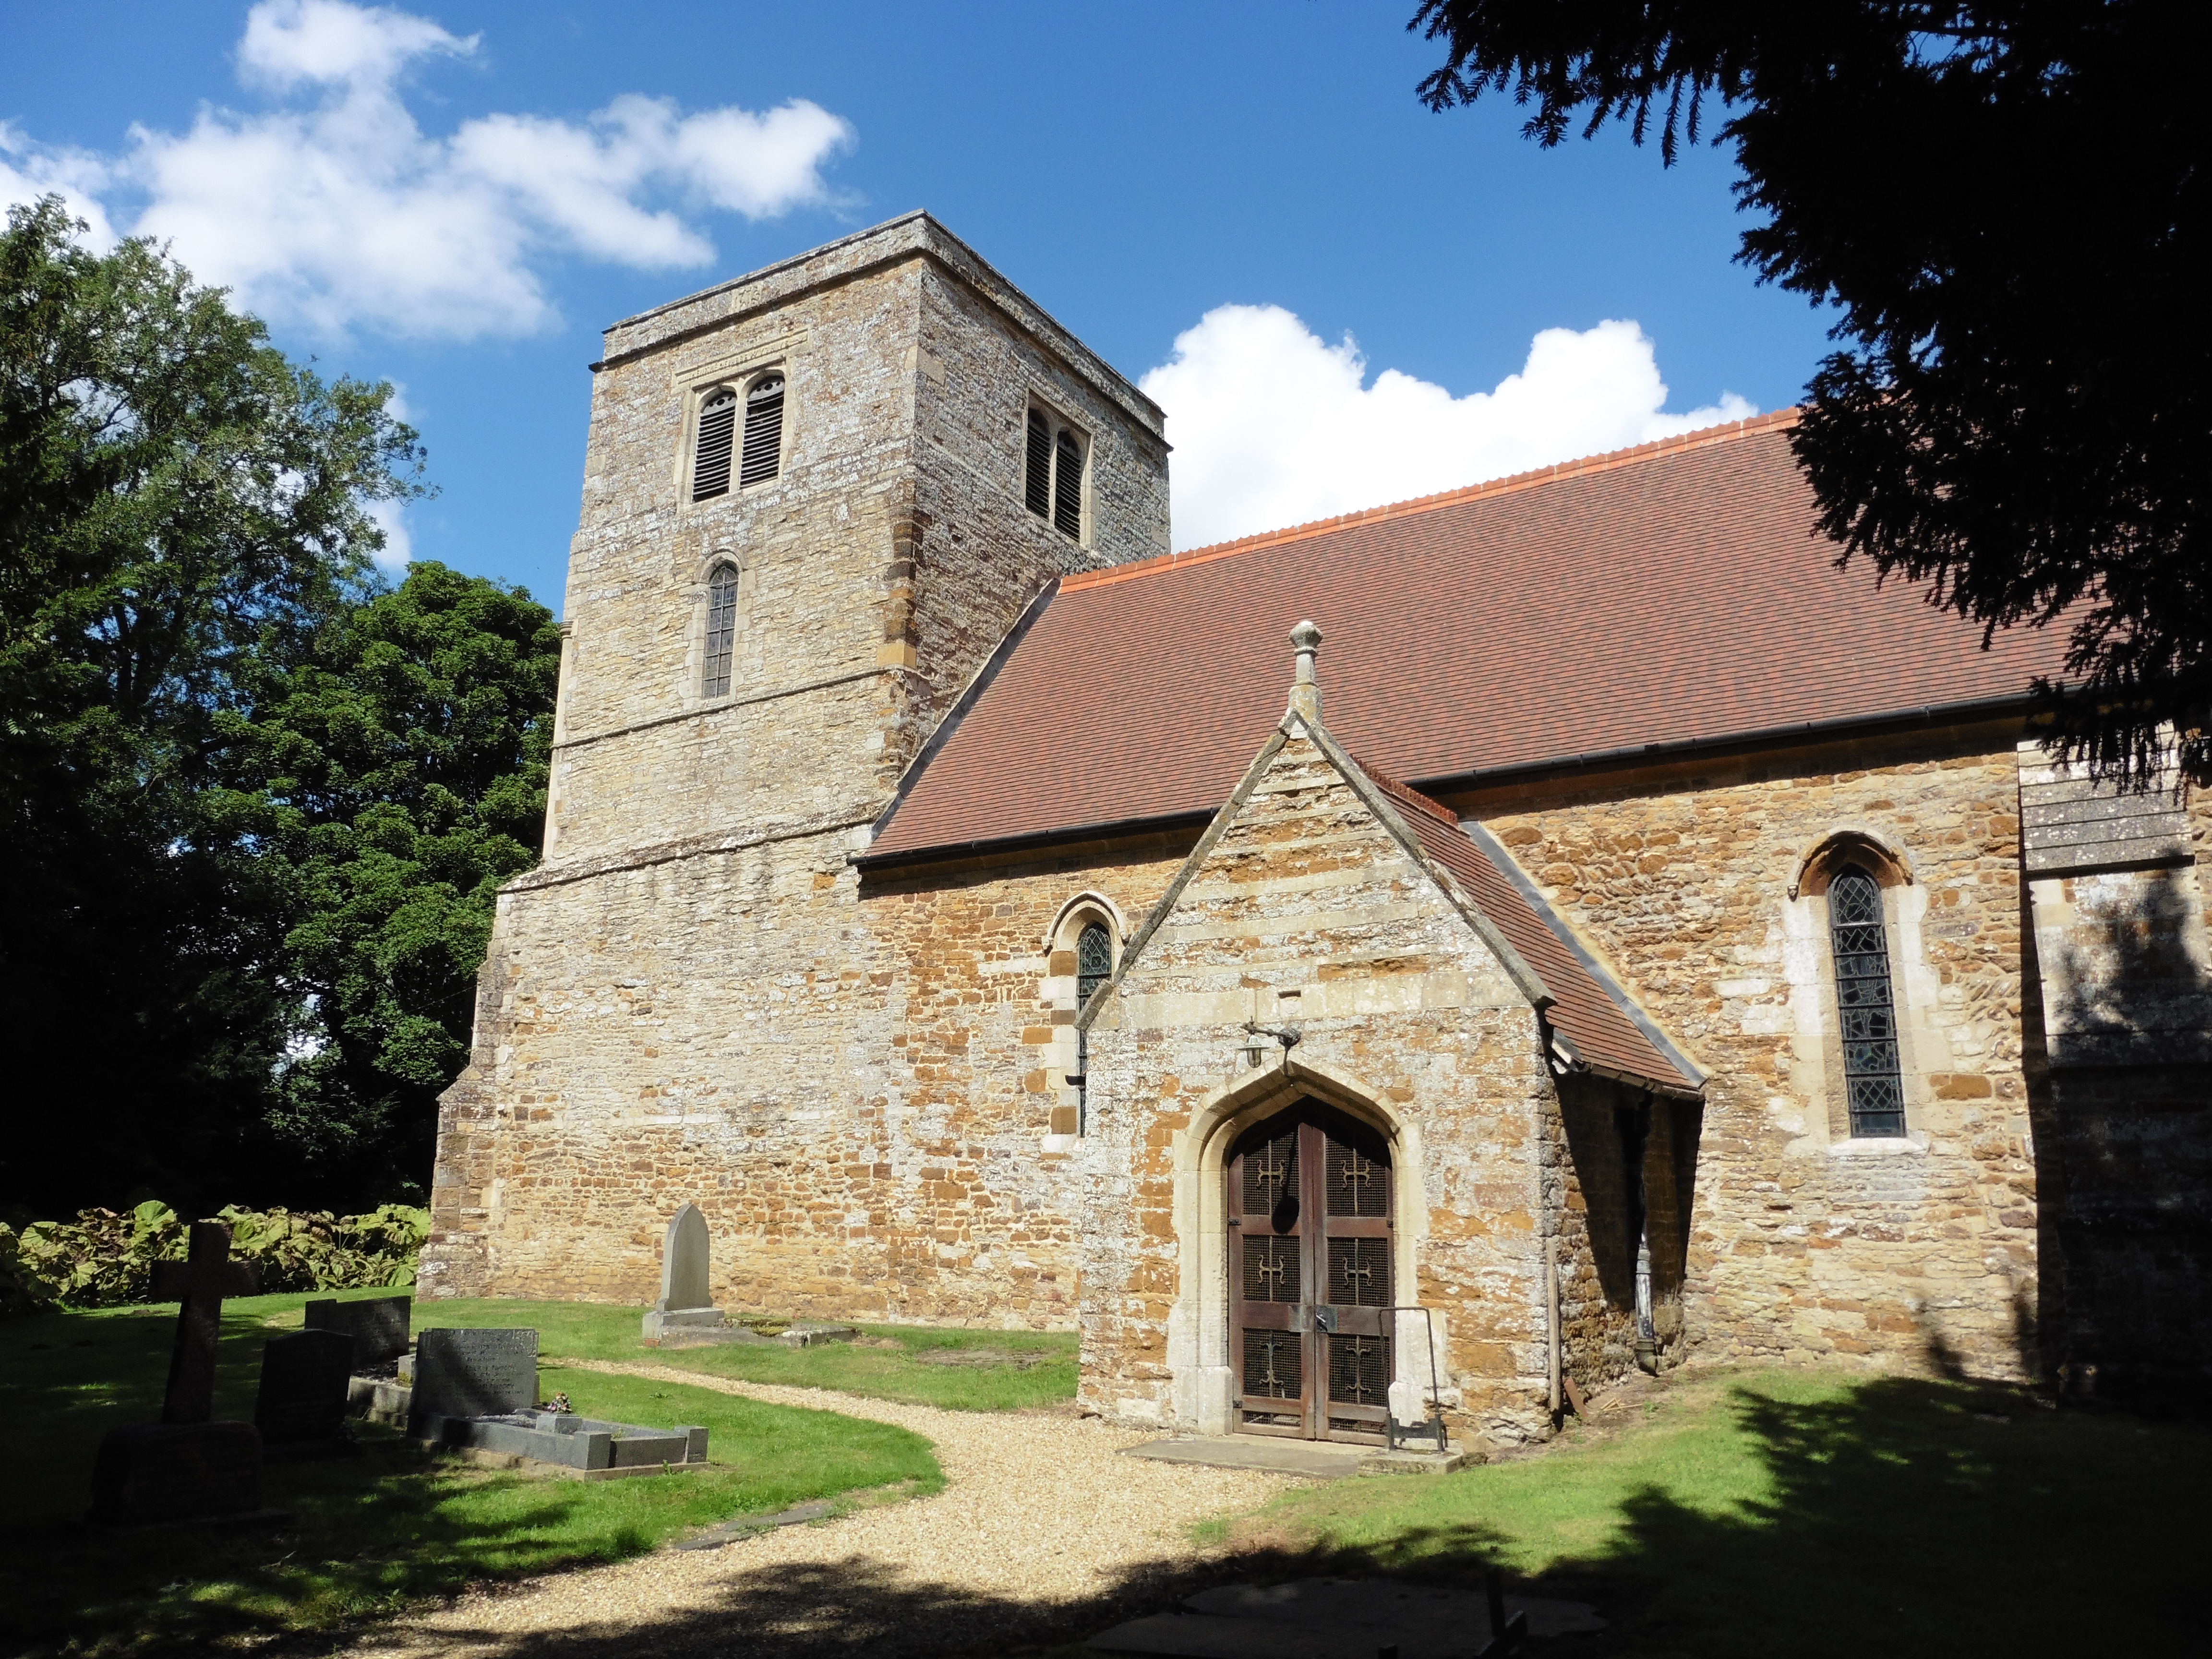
<point x="861" y="1072"/>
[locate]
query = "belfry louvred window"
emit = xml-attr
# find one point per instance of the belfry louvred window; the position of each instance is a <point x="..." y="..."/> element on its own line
<point x="1067" y="486"/>
<point x="721" y="631"/>
<point x="1036" y="481"/>
<point x="1873" y="1079"/>
<point x="710" y="457"/>
<point x="763" y="445"/>
<point x="1052" y="473"/>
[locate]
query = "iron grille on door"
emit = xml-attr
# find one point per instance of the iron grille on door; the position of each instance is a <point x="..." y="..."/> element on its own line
<point x="1309" y="1269"/>
<point x="1273" y="1365"/>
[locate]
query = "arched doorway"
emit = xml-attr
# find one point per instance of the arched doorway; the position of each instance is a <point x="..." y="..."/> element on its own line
<point x="1309" y="1277"/>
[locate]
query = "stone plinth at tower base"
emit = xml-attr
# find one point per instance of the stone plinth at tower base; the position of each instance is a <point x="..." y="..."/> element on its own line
<point x="155" y="1474"/>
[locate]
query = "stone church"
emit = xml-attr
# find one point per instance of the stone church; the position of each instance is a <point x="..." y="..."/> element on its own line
<point x="1406" y="962"/>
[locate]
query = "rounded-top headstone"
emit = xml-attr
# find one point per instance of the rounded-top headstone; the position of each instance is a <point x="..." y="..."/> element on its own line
<point x="684" y="1262"/>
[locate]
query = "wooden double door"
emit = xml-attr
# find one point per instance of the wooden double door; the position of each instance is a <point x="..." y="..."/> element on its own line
<point x="1310" y="1267"/>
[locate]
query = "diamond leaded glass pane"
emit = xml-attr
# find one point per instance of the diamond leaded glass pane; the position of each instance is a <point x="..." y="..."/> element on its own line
<point x="1873" y="1082"/>
<point x="1094" y="961"/>
<point x="721" y="631"/>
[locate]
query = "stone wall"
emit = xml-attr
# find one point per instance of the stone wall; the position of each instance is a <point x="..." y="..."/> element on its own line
<point x="2119" y="1065"/>
<point x="1802" y="1242"/>
<point x="690" y="1000"/>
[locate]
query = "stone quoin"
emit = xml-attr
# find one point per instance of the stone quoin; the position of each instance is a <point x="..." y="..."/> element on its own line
<point x="1658" y="943"/>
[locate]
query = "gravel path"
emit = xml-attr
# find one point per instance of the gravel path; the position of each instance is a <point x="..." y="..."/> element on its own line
<point x="1042" y="1533"/>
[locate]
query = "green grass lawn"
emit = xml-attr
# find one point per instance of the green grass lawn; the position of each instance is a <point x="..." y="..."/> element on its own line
<point x="909" y="1363"/>
<point x="1808" y="1514"/>
<point x="372" y="1534"/>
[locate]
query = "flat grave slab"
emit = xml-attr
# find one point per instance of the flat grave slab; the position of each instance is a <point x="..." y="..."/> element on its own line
<point x="746" y="1525"/>
<point x="801" y="1334"/>
<point x="1335" y="1618"/>
<point x="152" y="1474"/>
<point x="559" y="1443"/>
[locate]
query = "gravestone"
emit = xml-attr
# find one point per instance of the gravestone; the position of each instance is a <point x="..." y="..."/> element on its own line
<point x="377" y="1327"/>
<point x="471" y="1373"/>
<point x="685" y="1303"/>
<point x="304" y="1379"/>
<point x="186" y="1467"/>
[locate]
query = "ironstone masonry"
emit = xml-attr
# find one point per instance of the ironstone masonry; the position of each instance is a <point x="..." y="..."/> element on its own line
<point x="720" y="987"/>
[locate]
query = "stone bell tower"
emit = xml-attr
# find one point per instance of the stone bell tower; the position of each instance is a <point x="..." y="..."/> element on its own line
<point x="815" y="500"/>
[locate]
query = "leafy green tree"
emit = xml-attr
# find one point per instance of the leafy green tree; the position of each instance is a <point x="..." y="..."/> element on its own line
<point x="387" y="782"/>
<point x="177" y="503"/>
<point x="2007" y="200"/>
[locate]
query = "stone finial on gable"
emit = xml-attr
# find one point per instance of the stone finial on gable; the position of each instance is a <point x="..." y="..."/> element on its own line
<point x="1305" y="692"/>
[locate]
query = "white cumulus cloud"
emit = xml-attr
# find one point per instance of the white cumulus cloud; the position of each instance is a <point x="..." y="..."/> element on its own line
<point x="1274" y="426"/>
<point x="335" y="210"/>
<point x="399" y="547"/>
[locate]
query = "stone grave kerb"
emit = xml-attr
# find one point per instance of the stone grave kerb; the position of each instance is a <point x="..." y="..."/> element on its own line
<point x="199" y="1283"/>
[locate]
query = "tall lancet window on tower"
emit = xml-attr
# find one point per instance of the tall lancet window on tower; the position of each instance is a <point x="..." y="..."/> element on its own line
<point x="721" y="631"/>
<point x="1873" y="1082"/>
<point x="763" y="447"/>
<point x="710" y="456"/>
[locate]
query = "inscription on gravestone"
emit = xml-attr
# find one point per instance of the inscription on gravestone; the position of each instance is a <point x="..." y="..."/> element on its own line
<point x="303" y="1388"/>
<point x="463" y="1373"/>
<point x="377" y="1327"/>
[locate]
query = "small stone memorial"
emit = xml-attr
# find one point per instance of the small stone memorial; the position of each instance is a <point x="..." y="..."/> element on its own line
<point x="186" y="1467"/>
<point x="461" y="1374"/>
<point x="377" y="1327"/>
<point x="685" y="1304"/>
<point x="304" y="1382"/>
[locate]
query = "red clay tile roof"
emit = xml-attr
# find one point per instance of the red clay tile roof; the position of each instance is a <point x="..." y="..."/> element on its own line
<point x="1662" y="594"/>
<point x="1590" y="1009"/>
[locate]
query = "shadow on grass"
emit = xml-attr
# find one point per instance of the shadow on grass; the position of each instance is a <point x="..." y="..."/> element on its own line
<point x="370" y="1534"/>
<point x="1894" y="1517"/>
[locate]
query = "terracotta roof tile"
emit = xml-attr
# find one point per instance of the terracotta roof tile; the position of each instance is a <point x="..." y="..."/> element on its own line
<point x="1666" y="594"/>
<point x="1591" y="1008"/>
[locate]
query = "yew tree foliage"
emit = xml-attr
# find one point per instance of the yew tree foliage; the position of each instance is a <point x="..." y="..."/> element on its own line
<point x="200" y="674"/>
<point x="2006" y="202"/>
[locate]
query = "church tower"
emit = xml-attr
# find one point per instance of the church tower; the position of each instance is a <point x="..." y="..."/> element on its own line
<point x="815" y="499"/>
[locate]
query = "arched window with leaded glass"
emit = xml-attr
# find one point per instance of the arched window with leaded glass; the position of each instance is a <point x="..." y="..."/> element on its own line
<point x="1865" y="1002"/>
<point x="1094" y="966"/>
<point x="721" y="632"/>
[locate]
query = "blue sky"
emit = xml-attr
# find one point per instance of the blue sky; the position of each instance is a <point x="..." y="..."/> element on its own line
<point x="456" y="197"/>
